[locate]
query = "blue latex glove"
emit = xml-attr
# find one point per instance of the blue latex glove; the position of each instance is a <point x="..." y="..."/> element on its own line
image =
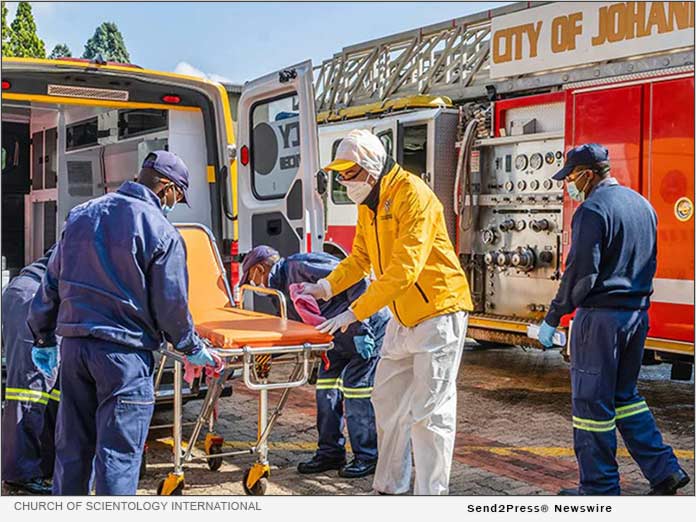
<point x="45" y="359"/>
<point x="201" y="358"/>
<point x="546" y="334"/>
<point x="364" y="345"/>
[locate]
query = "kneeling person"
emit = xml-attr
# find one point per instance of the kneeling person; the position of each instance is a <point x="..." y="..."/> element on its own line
<point x="345" y="387"/>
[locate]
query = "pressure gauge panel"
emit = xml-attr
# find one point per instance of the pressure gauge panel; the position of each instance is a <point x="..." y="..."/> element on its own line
<point x="521" y="162"/>
<point x="536" y="161"/>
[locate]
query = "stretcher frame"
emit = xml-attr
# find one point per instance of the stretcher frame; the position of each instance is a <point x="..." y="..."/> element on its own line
<point x="247" y="361"/>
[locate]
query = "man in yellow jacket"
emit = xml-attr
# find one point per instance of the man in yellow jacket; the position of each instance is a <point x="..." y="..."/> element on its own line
<point x="401" y="237"/>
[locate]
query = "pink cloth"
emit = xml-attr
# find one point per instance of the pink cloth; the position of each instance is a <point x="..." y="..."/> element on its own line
<point x="191" y="371"/>
<point x="306" y="306"/>
<point x="308" y="310"/>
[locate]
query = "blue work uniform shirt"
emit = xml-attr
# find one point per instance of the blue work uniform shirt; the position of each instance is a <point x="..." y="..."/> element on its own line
<point x="309" y="268"/>
<point x="118" y="274"/>
<point x="613" y="253"/>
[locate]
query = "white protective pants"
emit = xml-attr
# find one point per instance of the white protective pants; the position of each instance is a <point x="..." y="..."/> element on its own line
<point x="415" y="401"/>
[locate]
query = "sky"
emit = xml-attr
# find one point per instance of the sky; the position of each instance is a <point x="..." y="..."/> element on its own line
<point x="236" y="42"/>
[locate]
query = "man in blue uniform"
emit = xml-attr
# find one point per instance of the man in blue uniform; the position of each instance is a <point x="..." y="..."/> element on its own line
<point x="346" y="386"/>
<point x="29" y="416"/>
<point x="115" y="289"/>
<point x="608" y="279"/>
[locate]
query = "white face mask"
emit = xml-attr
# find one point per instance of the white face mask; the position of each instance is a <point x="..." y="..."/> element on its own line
<point x="357" y="190"/>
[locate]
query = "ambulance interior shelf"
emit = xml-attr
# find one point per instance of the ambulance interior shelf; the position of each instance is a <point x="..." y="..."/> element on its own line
<point x="77" y="153"/>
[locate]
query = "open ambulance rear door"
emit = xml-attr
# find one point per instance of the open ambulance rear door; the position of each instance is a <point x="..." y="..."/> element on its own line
<point x="278" y="162"/>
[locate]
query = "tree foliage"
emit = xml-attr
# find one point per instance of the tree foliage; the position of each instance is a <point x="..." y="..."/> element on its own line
<point x="107" y="41"/>
<point x="5" y="32"/>
<point x="60" y="51"/>
<point x="24" y="42"/>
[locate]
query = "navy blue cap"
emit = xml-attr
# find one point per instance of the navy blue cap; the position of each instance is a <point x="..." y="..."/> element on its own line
<point x="254" y="257"/>
<point x="171" y="167"/>
<point x="588" y="154"/>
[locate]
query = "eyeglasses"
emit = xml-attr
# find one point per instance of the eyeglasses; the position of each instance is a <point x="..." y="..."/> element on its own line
<point x="350" y="174"/>
<point x="575" y="174"/>
<point x="179" y="193"/>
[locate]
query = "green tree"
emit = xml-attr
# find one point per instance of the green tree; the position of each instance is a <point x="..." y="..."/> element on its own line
<point x="107" y="41"/>
<point x="24" y="42"/>
<point x="5" y="33"/>
<point x="60" y="51"/>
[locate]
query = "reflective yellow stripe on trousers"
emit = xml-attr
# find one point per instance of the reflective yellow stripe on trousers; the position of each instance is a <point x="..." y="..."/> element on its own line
<point x="357" y="393"/>
<point x="631" y="409"/>
<point x="329" y="384"/>
<point x="348" y="393"/>
<point x="28" y="395"/>
<point x="622" y="412"/>
<point x="593" y="425"/>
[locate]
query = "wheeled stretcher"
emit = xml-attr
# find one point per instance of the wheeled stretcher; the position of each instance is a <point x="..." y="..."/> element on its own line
<point x="250" y="344"/>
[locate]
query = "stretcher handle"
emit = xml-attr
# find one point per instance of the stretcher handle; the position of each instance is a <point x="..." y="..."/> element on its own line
<point x="179" y="357"/>
<point x="272" y="350"/>
<point x="249" y="361"/>
<point x="267" y="291"/>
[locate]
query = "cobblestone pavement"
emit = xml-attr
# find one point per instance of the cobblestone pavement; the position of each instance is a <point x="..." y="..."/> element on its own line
<point x="514" y="433"/>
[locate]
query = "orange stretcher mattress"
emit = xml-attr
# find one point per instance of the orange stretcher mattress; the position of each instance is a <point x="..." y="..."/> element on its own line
<point x="213" y="314"/>
<point x="234" y="328"/>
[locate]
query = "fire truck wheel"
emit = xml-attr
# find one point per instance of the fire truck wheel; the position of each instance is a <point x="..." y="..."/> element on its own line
<point x="681" y="371"/>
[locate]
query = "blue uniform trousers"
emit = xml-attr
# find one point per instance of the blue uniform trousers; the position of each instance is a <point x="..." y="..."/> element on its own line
<point x="606" y="352"/>
<point x="343" y="397"/>
<point x="31" y="398"/>
<point x="107" y="401"/>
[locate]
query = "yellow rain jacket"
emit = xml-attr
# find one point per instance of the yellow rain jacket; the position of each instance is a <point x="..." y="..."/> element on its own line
<point x="406" y="243"/>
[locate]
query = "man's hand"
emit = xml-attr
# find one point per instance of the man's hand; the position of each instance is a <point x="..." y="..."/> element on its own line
<point x="341" y="321"/>
<point x="546" y="335"/>
<point x="201" y="358"/>
<point x="45" y="359"/>
<point x="319" y="290"/>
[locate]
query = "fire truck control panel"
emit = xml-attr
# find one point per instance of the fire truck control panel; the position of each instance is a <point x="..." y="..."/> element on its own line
<point x="516" y="235"/>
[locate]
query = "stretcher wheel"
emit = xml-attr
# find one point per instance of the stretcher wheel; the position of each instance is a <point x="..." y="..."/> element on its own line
<point x="258" y="489"/>
<point x="215" y="463"/>
<point x="173" y="486"/>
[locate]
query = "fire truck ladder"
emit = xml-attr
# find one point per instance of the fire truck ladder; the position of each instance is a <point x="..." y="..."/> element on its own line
<point x="433" y="59"/>
<point x="452" y="59"/>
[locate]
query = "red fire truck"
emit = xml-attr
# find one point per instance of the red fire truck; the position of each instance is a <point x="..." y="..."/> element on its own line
<point x="531" y="81"/>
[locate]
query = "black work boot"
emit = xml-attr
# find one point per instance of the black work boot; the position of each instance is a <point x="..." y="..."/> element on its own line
<point x="29" y="487"/>
<point x="319" y="464"/>
<point x="671" y="484"/>
<point x="358" y="468"/>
